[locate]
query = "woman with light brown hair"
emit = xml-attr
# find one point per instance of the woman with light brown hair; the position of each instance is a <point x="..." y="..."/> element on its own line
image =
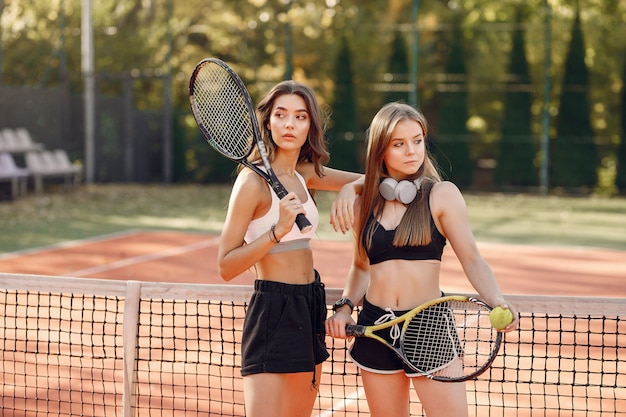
<point x="404" y="218"/>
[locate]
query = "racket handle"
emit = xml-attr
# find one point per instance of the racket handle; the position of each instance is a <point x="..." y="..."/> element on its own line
<point x="303" y="223"/>
<point x="355" y="330"/>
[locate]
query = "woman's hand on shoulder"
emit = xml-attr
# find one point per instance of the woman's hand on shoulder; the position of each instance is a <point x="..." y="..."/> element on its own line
<point x="342" y="211"/>
<point x="348" y="186"/>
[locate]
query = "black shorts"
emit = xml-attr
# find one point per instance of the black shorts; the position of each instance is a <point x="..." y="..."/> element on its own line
<point x="373" y="356"/>
<point x="284" y="328"/>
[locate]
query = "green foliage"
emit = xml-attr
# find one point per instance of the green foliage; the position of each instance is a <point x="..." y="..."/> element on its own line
<point x="343" y="135"/>
<point x="621" y="154"/>
<point x="574" y="155"/>
<point x="195" y="160"/>
<point x="451" y="138"/>
<point x="517" y="150"/>
<point x="40" y="45"/>
<point x="398" y="69"/>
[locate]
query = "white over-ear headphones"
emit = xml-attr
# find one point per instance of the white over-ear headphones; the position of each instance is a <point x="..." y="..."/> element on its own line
<point x="403" y="191"/>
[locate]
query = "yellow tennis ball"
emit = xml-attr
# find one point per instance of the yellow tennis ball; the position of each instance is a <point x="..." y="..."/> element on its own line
<point x="500" y="317"/>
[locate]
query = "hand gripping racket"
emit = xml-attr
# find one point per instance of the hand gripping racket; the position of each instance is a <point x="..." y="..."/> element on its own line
<point x="448" y="339"/>
<point x="225" y="115"/>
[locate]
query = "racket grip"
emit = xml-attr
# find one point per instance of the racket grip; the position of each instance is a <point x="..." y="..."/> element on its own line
<point x="303" y="223"/>
<point x="355" y="330"/>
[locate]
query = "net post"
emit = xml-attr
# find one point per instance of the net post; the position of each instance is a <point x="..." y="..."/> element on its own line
<point x="131" y="318"/>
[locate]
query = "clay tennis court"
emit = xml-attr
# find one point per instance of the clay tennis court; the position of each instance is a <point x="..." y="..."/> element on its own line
<point x="166" y="256"/>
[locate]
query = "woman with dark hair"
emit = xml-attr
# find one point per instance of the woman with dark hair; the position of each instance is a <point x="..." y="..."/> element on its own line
<point x="283" y="343"/>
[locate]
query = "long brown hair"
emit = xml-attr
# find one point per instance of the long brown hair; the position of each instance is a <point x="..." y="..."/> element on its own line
<point x="415" y="227"/>
<point x="314" y="149"/>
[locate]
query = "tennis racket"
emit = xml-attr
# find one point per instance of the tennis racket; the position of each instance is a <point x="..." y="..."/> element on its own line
<point x="225" y="115"/>
<point x="447" y="339"/>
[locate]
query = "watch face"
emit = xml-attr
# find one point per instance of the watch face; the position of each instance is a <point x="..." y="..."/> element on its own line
<point x="341" y="302"/>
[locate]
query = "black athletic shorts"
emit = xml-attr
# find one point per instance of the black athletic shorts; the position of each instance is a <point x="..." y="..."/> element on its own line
<point x="284" y="328"/>
<point x="373" y="356"/>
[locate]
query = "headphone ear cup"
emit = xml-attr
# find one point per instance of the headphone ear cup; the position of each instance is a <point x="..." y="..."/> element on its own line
<point x="405" y="191"/>
<point x="387" y="189"/>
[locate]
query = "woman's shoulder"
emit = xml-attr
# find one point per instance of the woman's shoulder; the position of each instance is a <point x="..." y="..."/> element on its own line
<point x="444" y="187"/>
<point x="249" y="181"/>
<point x="445" y="194"/>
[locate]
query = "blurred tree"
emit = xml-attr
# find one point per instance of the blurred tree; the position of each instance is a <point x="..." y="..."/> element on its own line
<point x="574" y="156"/>
<point x="345" y="143"/>
<point x="35" y="33"/>
<point x="1" y="61"/>
<point x="517" y="149"/>
<point x="398" y="70"/>
<point x="620" y="180"/>
<point x="451" y="142"/>
<point x="131" y="38"/>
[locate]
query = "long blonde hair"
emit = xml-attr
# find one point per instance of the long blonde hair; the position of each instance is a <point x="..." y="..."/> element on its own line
<point x="415" y="227"/>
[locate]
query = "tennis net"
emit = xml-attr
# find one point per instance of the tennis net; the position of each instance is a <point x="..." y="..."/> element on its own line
<point x="91" y="347"/>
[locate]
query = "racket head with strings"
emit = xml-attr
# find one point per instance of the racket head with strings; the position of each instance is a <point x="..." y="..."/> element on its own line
<point x="448" y="339"/>
<point x="224" y="112"/>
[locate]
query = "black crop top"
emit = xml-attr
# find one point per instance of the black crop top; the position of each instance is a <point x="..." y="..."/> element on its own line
<point x="383" y="250"/>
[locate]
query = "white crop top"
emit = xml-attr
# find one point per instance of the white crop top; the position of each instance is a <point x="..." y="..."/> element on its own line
<point x="293" y="240"/>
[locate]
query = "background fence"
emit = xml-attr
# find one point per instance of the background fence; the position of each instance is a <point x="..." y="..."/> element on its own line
<point x="129" y="140"/>
<point x="520" y="96"/>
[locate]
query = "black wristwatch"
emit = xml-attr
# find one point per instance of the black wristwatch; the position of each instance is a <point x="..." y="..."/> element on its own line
<point x="342" y="302"/>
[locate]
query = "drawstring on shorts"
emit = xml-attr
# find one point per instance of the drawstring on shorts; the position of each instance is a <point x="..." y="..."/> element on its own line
<point x="318" y="315"/>
<point x="394" y="331"/>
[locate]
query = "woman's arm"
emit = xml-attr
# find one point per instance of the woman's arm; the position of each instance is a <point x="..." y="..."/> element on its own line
<point x="249" y="195"/>
<point x="355" y="289"/>
<point x="348" y="184"/>
<point x="332" y="179"/>
<point x="450" y="215"/>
